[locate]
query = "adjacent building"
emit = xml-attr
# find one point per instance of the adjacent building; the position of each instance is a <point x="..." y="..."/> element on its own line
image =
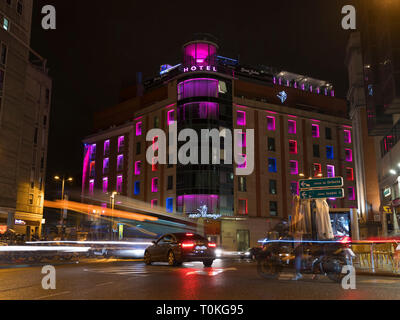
<point x="373" y="59"/>
<point x="25" y="91"/>
<point x="300" y="129"/>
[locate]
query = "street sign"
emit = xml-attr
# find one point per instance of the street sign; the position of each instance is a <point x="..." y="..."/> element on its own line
<point x="387" y="209"/>
<point x="321" y="183"/>
<point x="322" y="194"/>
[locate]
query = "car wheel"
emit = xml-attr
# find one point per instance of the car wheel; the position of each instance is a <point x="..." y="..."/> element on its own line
<point x="171" y="259"/>
<point x="208" y="263"/>
<point x="147" y="258"/>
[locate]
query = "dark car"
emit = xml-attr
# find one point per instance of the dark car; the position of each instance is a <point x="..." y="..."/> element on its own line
<point x="176" y="248"/>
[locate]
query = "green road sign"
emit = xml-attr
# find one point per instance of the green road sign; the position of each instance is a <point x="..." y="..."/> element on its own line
<point x="321" y="183"/>
<point x="322" y="194"/>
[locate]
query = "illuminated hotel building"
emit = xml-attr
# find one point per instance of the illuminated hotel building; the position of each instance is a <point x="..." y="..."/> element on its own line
<point x="299" y="127"/>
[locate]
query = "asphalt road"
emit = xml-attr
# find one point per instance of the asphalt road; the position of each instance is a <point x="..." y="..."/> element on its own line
<point x="226" y="280"/>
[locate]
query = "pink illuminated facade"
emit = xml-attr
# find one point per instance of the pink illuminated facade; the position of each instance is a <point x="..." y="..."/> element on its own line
<point x="206" y="93"/>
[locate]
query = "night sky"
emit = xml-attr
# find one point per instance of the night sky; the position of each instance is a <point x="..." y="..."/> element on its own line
<point x="100" y="45"/>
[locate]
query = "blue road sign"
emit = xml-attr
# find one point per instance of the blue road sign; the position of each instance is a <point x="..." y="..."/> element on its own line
<point x="322" y="194"/>
<point x="321" y="183"/>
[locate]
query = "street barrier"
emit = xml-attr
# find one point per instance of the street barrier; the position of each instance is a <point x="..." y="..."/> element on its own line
<point x="377" y="256"/>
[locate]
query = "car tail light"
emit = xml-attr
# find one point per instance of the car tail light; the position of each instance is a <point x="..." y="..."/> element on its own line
<point x="189" y="234"/>
<point x="187" y="245"/>
<point x="212" y="245"/>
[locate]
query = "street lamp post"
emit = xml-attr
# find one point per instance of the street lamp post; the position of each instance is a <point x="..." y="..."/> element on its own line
<point x="112" y="200"/>
<point x="57" y="178"/>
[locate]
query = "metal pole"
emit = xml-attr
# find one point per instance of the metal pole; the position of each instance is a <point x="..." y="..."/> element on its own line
<point x="62" y="210"/>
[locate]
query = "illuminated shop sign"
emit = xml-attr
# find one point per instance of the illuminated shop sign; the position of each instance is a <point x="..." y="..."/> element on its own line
<point x="20" y="222"/>
<point x="200" y="68"/>
<point x="203" y="213"/>
<point x="3" y="229"/>
<point x="387" y="192"/>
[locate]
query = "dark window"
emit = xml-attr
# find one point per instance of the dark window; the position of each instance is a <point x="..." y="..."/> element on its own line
<point x="273" y="208"/>
<point x="328" y="133"/>
<point x="170" y="182"/>
<point x="316" y="153"/>
<point x="138" y="148"/>
<point x="156" y="122"/>
<point x="273" y="187"/>
<point x="293" y="147"/>
<point x="19" y="7"/>
<point x="35" y="138"/>
<point x="294" y="188"/>
<point x="271" y="145"/>
<point x="3" y="54"/>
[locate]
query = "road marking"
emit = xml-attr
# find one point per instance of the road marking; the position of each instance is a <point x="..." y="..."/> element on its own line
<point x="53" y="295"/>
<point x="212" y="273"/>
<point x="104" y="284"/>
<point x="379" y="281"/>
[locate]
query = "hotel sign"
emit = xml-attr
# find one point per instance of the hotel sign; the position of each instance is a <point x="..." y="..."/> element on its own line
<point x="200" y="68"/>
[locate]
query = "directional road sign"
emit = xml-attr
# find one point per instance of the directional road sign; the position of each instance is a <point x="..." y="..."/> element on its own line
<point x="322" y="194"/>
<point x="321" y="183"/>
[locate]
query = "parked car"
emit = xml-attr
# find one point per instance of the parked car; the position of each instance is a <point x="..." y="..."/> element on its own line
<point x="176" y="248"/>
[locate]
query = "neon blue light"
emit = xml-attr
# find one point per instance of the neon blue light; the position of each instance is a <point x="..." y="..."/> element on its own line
<point x="282" y="96"/>
<point x="170" y="205"/>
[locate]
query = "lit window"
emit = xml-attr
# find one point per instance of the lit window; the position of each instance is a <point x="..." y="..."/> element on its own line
<point x="170" y="205"/>
<point x="120" y="163"/>
<point x="6" y="24"/>
<point x="241" y="118"/>
<point x="154" y="164"/>
<point x="138" y="129"/>
<point x="105" y="185"/>
<point x="271" y="144"/>
<point x="315" y="130"/>
<point x="271" y="123"/>
<point x="92" y="169"/>
<point x="329" y="152"/>
<point x="330" y="171"/>
<point x="294" y="167"/>
<point x="352" y="194"/>
<point x="242" y="184"/>
<point x="170" y="116"/>
<point x="241" y="139"/>
<point x="119" y="184"/>
<point x="106" y="163"/>
<point x="155" y="143"/>
<point x="244" y="164"/>
<point x="91" y="187"/>
<point x="272" y="165"/>
<point x="138" y="166"/>
<point x="292" y="126"/>
<point x="154" y="203"/>
<point x="121" y="144"/>
<point x="243" y="209"/>
<point x="347" y="136"/>
<point x="350" y="174"/>
<point x="137" y="188"/>
<point x="349" y="155"/>
<point x="317" y="169"/>
<point x="293" y="146"/>
<point x="106" y="147"/>
<point x="154" y="185"/>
